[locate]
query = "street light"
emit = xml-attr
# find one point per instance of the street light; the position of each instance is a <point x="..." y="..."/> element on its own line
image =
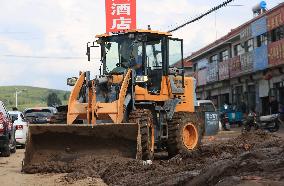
<point x="18" y="92"/>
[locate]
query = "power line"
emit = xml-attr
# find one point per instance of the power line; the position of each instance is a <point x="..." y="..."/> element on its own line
<point x="202" y="15"/>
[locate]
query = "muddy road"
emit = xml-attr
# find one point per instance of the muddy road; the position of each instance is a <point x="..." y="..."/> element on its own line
<point x="227" y="159"/>
<point x="10" y="174"/>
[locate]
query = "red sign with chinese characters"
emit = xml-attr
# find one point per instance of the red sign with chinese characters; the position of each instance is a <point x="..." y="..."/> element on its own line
<point x="120" y="15"/>
<point x="235" y="67"/>
<point x="275" y="19"/>
<point x="276" y="53"/>
<point x="224" y="70"/>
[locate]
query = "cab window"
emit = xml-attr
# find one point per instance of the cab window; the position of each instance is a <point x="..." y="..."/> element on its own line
<point x="175" y="53"/>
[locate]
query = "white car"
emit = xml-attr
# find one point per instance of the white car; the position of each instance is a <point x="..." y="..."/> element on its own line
<point x="21" y="127"/>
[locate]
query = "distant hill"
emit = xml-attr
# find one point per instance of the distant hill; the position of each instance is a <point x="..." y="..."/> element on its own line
<point x="31" y="97"/>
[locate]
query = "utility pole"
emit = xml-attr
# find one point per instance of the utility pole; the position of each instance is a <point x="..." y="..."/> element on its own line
<point x="16" y="93"/>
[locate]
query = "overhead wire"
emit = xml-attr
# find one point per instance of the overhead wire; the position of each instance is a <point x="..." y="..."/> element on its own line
<point x="225" y="3"/>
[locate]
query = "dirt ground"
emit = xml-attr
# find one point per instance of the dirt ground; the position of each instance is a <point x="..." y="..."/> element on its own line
<point x="10" y="174"/>
<point x="227" y="159"/>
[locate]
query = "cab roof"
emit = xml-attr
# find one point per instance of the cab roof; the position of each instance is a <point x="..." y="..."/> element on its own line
<point x="136" y="31"/>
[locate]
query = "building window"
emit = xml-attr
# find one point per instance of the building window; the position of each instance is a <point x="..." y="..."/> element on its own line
<point x="238" y="50"/>
<point x="224" y="55"/>
<point x="277" y="34"/>
<point x="214" y="59"/>
<point x="195" y="67"/>
<point x="261" y="40"/>
<point x="249" y="45"/>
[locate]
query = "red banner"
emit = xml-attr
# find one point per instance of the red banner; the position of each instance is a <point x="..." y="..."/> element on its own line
<point x="235" y="67"/>
<point x="120" y="15"/>
<point x="275" y="19"/>
<point x="276" y="53"/>
<point x="224" y="70"/>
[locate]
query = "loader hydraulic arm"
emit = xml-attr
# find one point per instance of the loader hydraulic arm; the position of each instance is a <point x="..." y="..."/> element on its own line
<point x="93" y="110"/>
<point x="75" y="108"/>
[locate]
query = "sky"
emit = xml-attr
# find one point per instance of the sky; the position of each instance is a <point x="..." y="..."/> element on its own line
<point x="43" y="42"/>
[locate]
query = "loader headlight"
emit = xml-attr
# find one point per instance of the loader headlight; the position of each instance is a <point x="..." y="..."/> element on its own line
<point x="141" y="79"/>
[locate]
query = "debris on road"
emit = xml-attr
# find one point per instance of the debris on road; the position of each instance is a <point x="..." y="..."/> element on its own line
<point x="257" y="156"/>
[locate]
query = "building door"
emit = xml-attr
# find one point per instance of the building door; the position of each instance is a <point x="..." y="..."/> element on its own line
<point x="224" y="98"/>
<point x="265" y="105"/>
<point x="251" y="97"/>
<point x="281" y="95"/>
<point x="278" y="91"/>
<point x="238" y="95"/>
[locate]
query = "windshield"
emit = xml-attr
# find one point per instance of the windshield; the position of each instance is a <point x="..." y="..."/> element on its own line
<point x="14" y="116"/>
<point x="121" y="52"/>
<point x="207" y="107"/>
<point x="38" y="113"/>
<point x="154" y="54"/>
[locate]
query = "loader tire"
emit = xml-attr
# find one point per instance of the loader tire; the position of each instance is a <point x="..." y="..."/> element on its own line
<point x="144" y="118"/>
<point x="184" y="133"/>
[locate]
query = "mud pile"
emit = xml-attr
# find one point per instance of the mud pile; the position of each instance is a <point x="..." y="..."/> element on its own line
<point x="252" y="156"/>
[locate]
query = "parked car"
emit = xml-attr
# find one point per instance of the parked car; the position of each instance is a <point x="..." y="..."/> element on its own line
<point x="208" y="111"/>
<point x="205" y="105"/>
<point x="39" y="115"/>
<point x="21" y="126"/>
<point x="7" y="132"/>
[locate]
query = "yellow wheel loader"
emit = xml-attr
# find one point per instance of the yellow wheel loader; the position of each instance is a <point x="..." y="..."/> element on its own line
<point x="140" y="103"/>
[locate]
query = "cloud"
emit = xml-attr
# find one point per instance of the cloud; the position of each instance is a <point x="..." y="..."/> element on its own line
<point x="62" y="28"/>
<point x="12" y="46"/>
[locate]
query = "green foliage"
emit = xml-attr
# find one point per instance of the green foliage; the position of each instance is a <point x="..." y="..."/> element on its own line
<point x="32" y="97"/>
<point x="53" y="100"/>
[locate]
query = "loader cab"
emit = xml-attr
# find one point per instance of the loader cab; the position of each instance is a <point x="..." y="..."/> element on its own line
<point x="151" y="54"/>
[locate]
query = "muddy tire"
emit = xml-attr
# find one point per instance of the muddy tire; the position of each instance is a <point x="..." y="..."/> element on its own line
<point x="6" y="151"/>
<point x="14" y="148"/>
<point x="145" y="120"/>
<point x="184" y="133"/>
<point x="275" y="128"/>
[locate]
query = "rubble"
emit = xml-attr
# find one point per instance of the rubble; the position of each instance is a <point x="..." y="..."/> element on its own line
<point x="257" y="156"/>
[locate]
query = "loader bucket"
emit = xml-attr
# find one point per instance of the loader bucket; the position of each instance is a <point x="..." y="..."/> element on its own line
<point x="58" y="142"/>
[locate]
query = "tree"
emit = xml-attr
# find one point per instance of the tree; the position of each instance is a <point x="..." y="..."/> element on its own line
<point x="66" y="96"/>
<point x="53" y="100"/>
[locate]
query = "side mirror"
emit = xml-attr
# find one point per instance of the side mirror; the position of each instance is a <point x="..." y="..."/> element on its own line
<point x="72" y="81"/>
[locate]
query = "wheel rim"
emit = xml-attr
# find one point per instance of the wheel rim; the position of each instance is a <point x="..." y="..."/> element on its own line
<point x="190" y="136"/>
